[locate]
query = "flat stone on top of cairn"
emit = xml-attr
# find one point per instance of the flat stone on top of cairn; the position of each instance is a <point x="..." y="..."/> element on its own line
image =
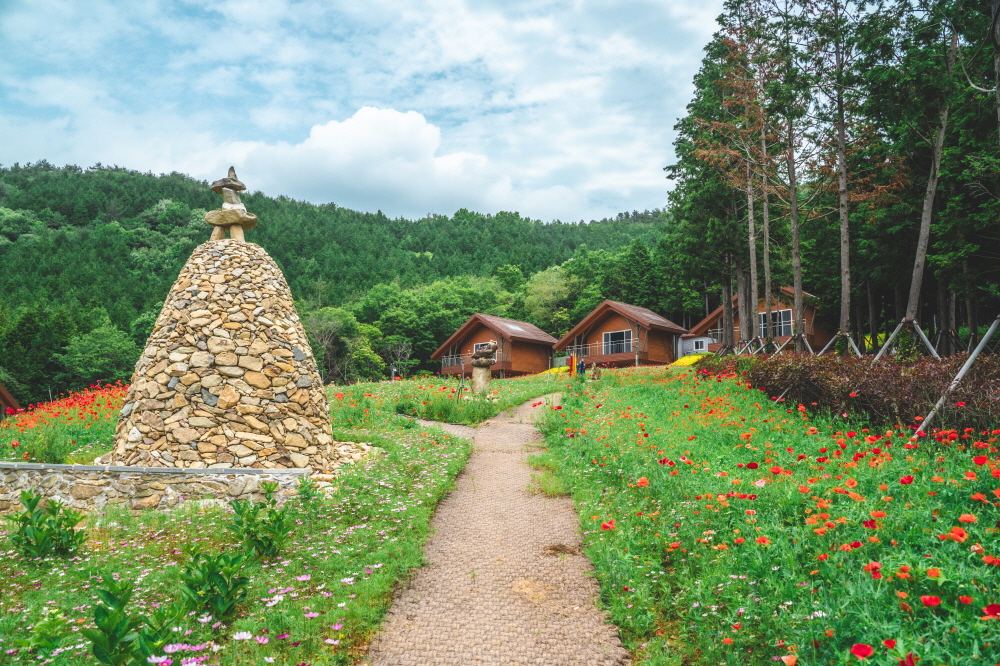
<point x="227" y="377"/>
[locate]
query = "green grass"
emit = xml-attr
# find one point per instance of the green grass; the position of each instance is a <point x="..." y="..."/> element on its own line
<point x="358" y="546"/>
<point x="437" y="398"/>
<point x="346" y="556"/>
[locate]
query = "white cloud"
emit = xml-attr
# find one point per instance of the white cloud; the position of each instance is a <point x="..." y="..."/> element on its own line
<point x="554" y="109"/>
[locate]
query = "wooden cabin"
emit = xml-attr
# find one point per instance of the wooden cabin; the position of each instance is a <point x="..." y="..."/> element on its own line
<point x="7" y="402"/>
<point x="618" y="334"/>
<point x="522" y="348"/>
<point x="706" y="335"/>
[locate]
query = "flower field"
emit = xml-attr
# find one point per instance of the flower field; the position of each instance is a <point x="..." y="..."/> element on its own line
<point x="728" y="529"/>
<point x="318" y="601"/>
<point x="75" y="428"/>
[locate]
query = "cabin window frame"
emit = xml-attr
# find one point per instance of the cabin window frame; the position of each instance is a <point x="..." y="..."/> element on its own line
<point x="476" y="346"/>
<point x="608" y="345"/>
<point x="783" y="323"/>
<point x="700" y="346"/>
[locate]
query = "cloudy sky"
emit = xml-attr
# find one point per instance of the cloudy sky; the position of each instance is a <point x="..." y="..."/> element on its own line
<point x="556" y="109"/>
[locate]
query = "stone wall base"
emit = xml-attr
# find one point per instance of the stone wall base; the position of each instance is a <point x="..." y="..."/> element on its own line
<point x="94" y="488"/>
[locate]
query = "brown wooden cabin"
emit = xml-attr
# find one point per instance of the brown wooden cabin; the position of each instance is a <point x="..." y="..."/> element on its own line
<point x="706" y="335"/>
<point x="522" y="348"/>
<point x="6" y="402"/>
<point x="618" y="334"/>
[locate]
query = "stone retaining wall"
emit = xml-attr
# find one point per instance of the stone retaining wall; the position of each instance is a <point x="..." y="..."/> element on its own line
<point x="94" y="487"/>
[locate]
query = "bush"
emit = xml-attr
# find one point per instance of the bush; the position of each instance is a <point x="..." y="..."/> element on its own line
<point x="262" y="528"/>
<point x="45" y="532"/>
<point x="213" y="584"/>
<point x="890" y="391"/>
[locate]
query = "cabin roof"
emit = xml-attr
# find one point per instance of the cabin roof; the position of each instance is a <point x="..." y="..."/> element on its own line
<point x="7" y="400"/>
<point x="645" y="318"/>
<point x="702" y="326"/>
<point x="511" y="329"/>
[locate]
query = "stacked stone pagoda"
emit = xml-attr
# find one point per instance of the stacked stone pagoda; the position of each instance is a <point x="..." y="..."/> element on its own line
<point x="227" y="378"/>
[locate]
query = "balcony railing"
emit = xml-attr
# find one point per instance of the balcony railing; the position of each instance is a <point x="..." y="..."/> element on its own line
<point x="464" y="359"/>
<point x="606" y="348"/>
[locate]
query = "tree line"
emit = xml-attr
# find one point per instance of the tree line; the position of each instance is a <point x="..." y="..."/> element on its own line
<point x="849" y="148"/>
<point x="87" y="257"/>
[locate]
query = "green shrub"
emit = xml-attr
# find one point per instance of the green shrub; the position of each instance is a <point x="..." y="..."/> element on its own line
<point x="213" y="584"/>
<point x="113" y="641"/>
<point x="45" y="532"/>
<point x="262" y="527"/>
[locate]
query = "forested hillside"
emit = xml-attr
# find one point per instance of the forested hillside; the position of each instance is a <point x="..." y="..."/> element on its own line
<point x="845" y="148"/>
<point x="89" y="255"/>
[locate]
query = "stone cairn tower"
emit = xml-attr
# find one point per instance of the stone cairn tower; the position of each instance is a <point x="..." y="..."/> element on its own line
<point x="227" y="378"/>
<point x="481" y="373"/>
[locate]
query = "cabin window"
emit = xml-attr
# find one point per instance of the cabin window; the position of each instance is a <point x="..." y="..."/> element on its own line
<point x="618" y="342"/>
<point x="479" y="346"/>
<point x="781" y="320"/>
<point x="700" y="345"/>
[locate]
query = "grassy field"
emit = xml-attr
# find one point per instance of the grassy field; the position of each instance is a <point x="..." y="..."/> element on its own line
<point x="320" y="602"/>
<point x="727" y="529"/>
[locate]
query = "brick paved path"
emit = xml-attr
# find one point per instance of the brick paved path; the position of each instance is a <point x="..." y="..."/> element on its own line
<point x="490" y="594"/>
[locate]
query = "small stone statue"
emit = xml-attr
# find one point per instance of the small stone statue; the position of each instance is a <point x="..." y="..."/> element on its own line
<point x="481" y="362"/>
<point x="233" y="215"/>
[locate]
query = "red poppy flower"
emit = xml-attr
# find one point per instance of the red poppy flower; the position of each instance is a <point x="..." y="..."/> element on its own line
<point x="889" y="643"/>
<point x="933" y="573"/>
<point x="960" y="404"/>
<point x="906" y="480"/>
<point x="763" y="540"/>
<point x="823" y="556"/>
<point x="967" y="518"/>
<point x="965" y="600"/>
<point x="992" y="612"/>
<point x="642" y="482"/>
<point x="980" y="460"/>
<point x="610" y="525"/>
<point x="930" y="601"/>
<point x="870" y="524"/>
<point x="862" y="651"/>
<point x="909" y="660"/>
<point x="752" y="465"/>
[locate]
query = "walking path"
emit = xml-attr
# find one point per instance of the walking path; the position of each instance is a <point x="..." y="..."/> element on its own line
<point x="490" y="593"/>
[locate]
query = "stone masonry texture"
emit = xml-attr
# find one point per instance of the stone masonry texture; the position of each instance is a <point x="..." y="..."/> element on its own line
<point x="91" y="488"/>
<point x="227" y="378"/>
<point x="491" y="592"/>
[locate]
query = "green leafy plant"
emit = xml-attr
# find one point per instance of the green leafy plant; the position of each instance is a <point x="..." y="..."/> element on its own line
<point x="156" y="632"/>
<point x="262" y="527"/>
<point x="47" y="634"/>
<point x="309" y="495"/>
<point x="212" y="583"/>
<point x="114" y="638"/>
<point x="46" y="532"/>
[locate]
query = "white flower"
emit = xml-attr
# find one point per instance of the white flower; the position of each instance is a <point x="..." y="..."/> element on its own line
<point x="242" y="636"/>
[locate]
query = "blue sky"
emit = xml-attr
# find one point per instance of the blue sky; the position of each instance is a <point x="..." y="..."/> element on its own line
<point x="558" y="110"/>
